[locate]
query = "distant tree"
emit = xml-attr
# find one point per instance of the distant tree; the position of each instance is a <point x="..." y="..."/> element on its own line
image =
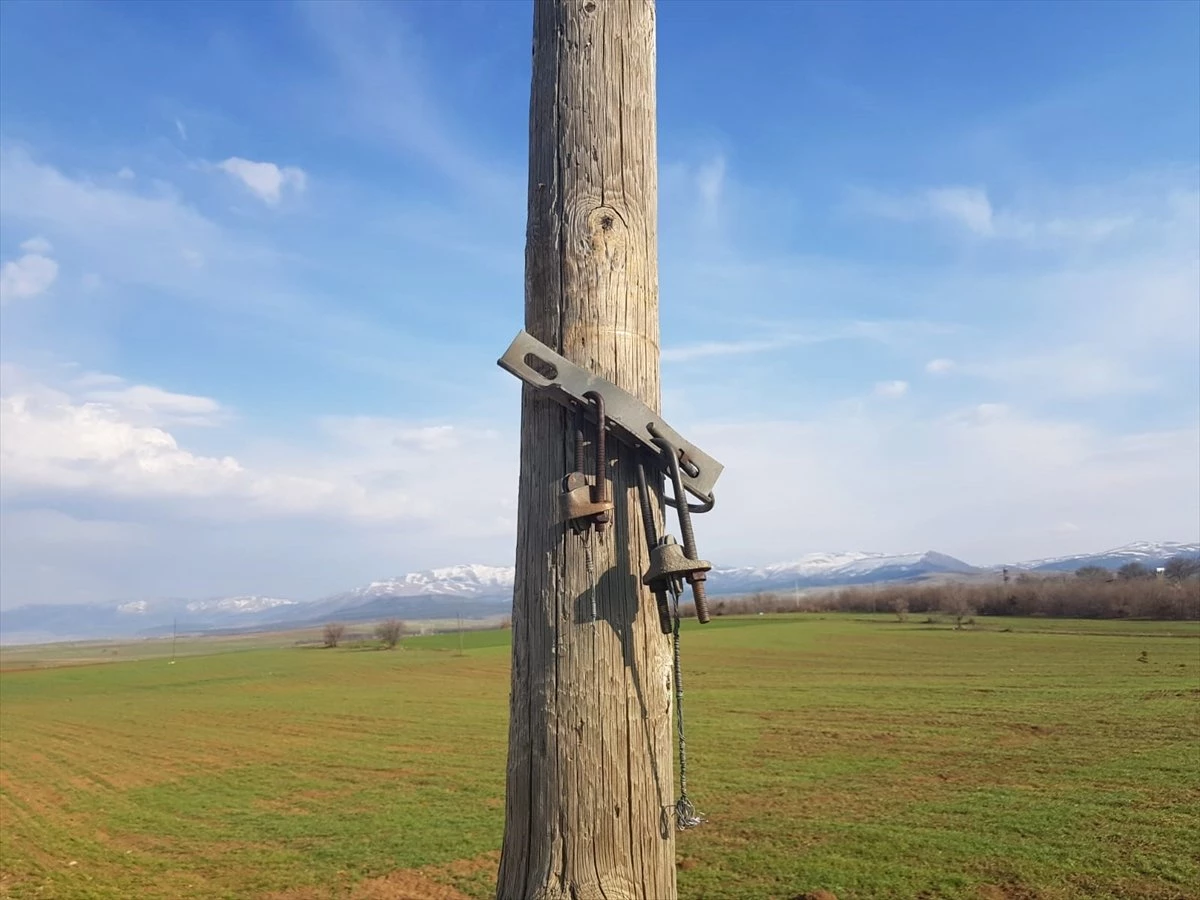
<point x="955" y="603"/>
<point x="1132" y="571"/>
<point x="390" y="632"/>
<point x="1180" y="568"/>
<point x="1093" y="573"/>
<point x="900" y="608"/>
<point x="333" y="634"/>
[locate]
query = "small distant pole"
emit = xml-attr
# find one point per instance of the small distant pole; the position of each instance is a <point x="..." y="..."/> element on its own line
<point x="460" y="636"/>
<point x="174" y="634"/>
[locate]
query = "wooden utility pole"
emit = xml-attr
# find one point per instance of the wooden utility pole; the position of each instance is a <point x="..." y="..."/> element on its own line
<point x="589" y="786"/>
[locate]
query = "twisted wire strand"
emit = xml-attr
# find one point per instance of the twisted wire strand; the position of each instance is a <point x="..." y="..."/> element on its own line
<point x="590" y="566"/>
<point x="686" y="815"/>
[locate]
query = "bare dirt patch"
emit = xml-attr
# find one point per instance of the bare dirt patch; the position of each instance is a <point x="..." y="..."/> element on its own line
<point x="405" y="884"/>
<point x="303" y="893"/>
<point x="426" y="883"/>
<point x="464" y="868"/>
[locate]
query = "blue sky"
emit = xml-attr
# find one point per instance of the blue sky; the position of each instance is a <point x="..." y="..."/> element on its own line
<point x="929" y="280"/>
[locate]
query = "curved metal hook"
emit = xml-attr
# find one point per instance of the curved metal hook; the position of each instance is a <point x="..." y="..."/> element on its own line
<point x="706" y="506"/>
<point x="671" y="454"/>
<point x="680" y="460"/>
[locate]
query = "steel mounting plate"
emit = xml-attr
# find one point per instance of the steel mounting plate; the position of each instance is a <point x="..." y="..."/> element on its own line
<point x="632" y="419"/>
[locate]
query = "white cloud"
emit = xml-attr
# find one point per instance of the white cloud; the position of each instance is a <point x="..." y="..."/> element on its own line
<point x="891" y="388"/>
<point x="86" y="381"/>
<point x="181" y="130"/>
<point x="152" y="399"/>
<point x="126" y="174"/>
<point x="55" y="445"/>
<point x="51" y="442"/>
<point x="100" y="436"/>
<point x="1104" y="304"/>
<point x="707" y="349"/>
<point x="147" y="244"/>
<point x="155" y="403"/>
<point x="967" y="206"/>
<point x="132" y="237"/>
<point x="37" y="245"/>
<point x="888" y="333"/>
<point x="442" y="492"/>
<point x="1074" y="372"/>
<point x="987" y="483"/>
<point x="427" y="474"/>
<point x="30" y="274"/>
<point x="890" y="483"/>
<point x="1113" y="262"/>
<point x="265" y="180"/>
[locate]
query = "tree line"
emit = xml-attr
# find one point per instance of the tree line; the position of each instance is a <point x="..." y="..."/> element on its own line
<point x="1092" y="592"/>
<point x="388" y="633"/>
<point x="1176" y="569"/>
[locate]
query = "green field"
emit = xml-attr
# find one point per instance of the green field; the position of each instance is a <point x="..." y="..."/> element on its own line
<point x="856" y="755"/>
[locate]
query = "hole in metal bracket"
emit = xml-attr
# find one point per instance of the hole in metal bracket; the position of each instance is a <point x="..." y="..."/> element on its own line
<point x="685" y="462"/>
<point x="539" y="365"/>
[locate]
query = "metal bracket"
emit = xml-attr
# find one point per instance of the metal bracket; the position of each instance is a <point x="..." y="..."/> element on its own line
<point x="540" y="367"/>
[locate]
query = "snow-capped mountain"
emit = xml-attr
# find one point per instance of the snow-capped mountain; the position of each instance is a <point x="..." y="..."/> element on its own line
<point x="222" y="604"/>
<point x="456" y="581"/>
<point x="472" y="591"/>
<point x="238" y="604"/>
<point x="140" y="617"/>
<point x="1148" y="553"/>
<point x="828" y="569"/>
<point x="815" y="569"/>
<point x="198" y="610"/>
<point x="480" y="591"/>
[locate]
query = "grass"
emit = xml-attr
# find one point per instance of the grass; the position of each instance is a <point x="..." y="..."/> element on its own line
<point x="1022" y="758"/>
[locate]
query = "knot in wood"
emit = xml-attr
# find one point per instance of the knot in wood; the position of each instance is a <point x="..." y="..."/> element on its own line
<point x="606" y="227"/>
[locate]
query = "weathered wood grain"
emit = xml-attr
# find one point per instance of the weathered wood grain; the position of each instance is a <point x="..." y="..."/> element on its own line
<point x="589" y="769"/>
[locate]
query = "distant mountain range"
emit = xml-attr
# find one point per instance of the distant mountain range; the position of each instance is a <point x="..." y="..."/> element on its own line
<point x="1148" y="554"/>
<point x="479" y="592"/>
<point x="833" y="569"/>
